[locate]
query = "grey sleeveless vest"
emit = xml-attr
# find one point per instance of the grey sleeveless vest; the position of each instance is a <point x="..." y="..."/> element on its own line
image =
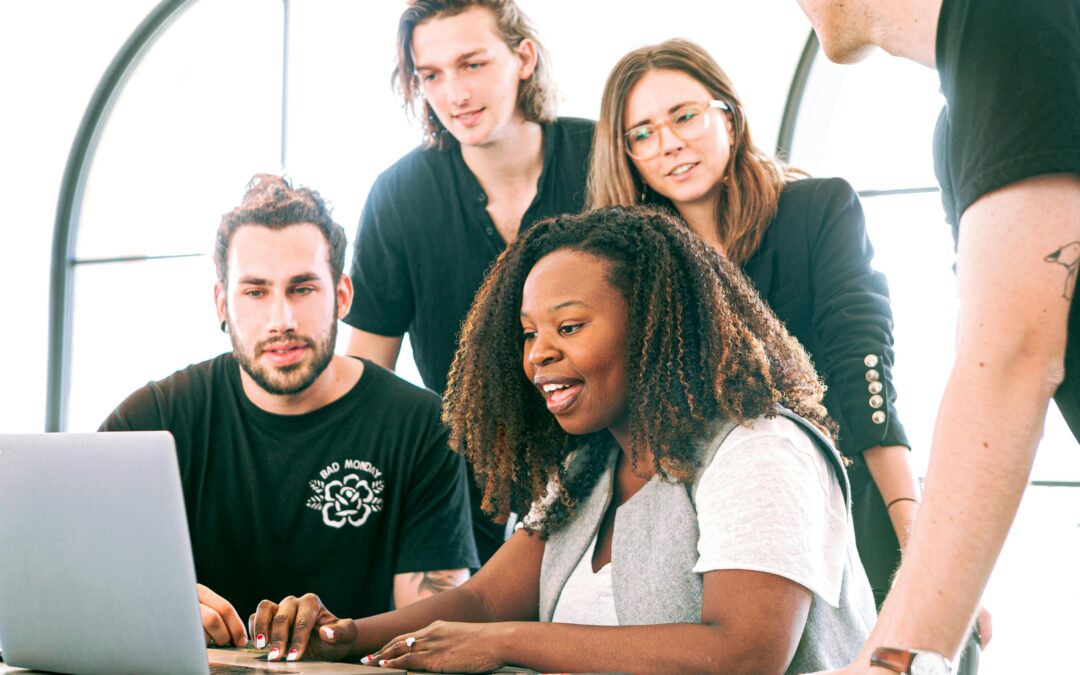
<point x="654" y="549"/>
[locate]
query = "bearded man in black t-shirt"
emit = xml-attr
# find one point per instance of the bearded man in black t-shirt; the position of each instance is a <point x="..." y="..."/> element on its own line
<point x="303" y="471"/>
<point x="1007" y="155"/>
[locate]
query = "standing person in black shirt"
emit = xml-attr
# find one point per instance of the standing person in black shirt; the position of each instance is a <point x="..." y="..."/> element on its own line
<point x="1007" y="155"/>
<point x="495" y="159"/>
<point x="673" y="132"/>
<point x="303" y="471"/>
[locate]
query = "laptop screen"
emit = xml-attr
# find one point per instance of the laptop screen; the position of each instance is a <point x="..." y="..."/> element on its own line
<point x="95" y="555"/>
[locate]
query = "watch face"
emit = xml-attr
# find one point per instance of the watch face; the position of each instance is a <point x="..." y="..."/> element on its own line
<point x="929" y="663"/>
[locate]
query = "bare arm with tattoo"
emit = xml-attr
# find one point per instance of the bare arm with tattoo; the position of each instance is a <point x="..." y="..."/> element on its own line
<point x="1016" y="276"/>
<point x="412" y="586"/>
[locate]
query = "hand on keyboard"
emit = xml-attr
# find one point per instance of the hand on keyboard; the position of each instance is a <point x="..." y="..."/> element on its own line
<point x="286" y="628"/>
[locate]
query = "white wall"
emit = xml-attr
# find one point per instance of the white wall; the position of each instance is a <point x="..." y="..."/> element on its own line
<point x="52" y="54"/>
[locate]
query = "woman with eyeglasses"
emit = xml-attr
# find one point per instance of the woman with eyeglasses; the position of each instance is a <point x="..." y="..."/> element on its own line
<point x="672" y="132"/>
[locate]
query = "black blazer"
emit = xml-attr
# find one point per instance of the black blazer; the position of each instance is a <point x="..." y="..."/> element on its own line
<point x="814" y="269"/>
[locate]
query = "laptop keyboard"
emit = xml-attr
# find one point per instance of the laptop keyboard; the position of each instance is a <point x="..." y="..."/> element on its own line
<point x="224" y="669"/>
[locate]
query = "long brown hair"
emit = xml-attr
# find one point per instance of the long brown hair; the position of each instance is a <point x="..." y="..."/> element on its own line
<point x="536" y="95"/>
<point x="754" y="179"/>
<point x="701" y="347"/>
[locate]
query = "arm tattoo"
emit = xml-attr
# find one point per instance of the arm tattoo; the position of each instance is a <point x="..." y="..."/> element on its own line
<point x="430" y="583"/>
<point x="1068" y="256"/>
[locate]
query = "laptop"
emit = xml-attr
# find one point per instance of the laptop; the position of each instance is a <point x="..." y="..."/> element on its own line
<point x="96" y="569"/>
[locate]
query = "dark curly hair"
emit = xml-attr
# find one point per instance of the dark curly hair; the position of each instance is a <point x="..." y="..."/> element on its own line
<point x="702" y="347"/>
<point x="272" y="202"/>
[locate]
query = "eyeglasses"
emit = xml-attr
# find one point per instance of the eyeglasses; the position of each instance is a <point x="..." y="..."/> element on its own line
<point x="687" y="123"/>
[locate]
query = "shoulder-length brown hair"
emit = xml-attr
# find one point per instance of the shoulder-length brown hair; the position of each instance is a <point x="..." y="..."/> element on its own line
<point x="537" y="99"/>
<point x="753" y="179"/>
<point x="701" y="347"/>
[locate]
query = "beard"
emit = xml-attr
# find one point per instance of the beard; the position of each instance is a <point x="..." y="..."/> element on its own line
<point x="293" y="378"/>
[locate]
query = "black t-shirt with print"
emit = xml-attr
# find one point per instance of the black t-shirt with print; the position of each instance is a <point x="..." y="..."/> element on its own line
<point x="1010" y="74"/>
<point x="334" y="502"/>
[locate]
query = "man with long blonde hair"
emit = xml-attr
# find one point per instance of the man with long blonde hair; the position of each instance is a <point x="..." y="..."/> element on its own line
<point x="495" y="158"/>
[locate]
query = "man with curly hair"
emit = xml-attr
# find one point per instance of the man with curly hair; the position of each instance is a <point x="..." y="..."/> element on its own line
<point x="302" y="470"/>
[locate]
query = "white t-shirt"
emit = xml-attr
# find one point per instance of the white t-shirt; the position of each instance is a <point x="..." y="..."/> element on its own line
<point x="769" y="502"/>
<point x="590" y="600"/>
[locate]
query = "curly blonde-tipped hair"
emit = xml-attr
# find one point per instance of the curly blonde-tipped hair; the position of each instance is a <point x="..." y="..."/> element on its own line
<point x="701" y="347"/>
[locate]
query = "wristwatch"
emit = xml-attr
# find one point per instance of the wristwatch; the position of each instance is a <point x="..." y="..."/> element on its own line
<point x="911" y="661"/>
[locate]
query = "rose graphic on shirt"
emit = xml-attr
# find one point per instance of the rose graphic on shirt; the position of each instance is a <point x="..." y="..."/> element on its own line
<point x="350" y="499"/>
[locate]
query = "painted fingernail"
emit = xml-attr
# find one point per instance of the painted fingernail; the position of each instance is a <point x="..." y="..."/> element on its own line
<point x="383" y="662"/>
<point x="328" y="632"/>
<point x="366" y="660"/>
<point x="260" y="641"/>
<point x="273" y="654"/>
<point x="293" y="655"/>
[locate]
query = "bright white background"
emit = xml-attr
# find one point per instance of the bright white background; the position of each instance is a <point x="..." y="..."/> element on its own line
<point x="203" y="112"/>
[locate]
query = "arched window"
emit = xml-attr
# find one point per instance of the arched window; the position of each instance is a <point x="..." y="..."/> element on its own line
<point x="205" y="94"/>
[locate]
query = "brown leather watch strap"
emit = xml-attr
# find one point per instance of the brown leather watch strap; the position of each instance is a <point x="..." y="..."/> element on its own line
<point x="896" y="660"/>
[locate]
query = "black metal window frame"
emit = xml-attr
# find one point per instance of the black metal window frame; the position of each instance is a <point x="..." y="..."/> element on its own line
<point x="112" y="82"/>
<point x="69" y="203"/>
<point x="82" y="152"/>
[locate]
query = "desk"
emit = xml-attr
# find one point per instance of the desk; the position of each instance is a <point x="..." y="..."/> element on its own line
<point x="244" y="657"/>
<point x="247" y="658"/>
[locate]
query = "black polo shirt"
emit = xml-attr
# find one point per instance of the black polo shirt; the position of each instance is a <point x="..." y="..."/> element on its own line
<point x="425" y="242"/>
<point x="426" y="239"/>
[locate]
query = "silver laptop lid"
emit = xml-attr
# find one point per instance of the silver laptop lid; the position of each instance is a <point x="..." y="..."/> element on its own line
<point x="96" y="570"/>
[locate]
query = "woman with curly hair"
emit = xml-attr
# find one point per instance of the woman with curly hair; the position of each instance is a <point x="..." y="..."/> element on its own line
<point x="689" y="511"/>
<point x="673" y="132"/>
